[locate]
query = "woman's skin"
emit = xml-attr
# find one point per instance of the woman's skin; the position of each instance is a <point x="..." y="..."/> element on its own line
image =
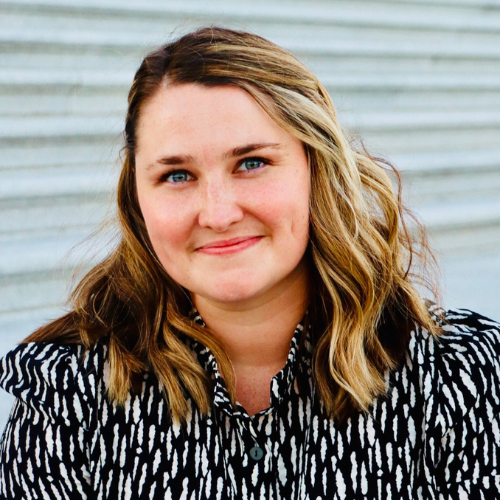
<point x="224" y="192"/>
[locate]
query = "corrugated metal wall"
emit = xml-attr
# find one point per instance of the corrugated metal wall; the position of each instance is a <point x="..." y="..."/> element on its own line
<point x="420" y="80"/>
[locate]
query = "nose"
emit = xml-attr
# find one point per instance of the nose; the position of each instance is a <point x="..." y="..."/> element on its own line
<point x="219" y="207"/>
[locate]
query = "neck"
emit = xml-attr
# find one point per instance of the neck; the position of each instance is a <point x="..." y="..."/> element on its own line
<point x="258" y="334"/>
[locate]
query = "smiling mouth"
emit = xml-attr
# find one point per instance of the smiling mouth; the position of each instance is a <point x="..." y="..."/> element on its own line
<point x="226" y="247"/>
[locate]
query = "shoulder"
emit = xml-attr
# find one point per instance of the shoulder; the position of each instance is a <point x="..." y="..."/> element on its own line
<point x="456" y="382"/>
<point x="459" y="375"/>
<point x="61" y="381"/>
<point x="466" y="355"/>
<point x="470" y="346"/>
<point x="462" y="364"/>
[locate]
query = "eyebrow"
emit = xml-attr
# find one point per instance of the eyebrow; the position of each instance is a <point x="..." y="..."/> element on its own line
<point x="232" y="153"/>
<point x="249" y="148"/>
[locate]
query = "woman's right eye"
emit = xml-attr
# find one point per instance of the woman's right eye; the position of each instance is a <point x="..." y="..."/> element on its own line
<point x="176" y="176"/>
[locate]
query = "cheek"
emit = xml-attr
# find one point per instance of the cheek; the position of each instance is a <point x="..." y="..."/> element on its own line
<point x="166" y="225"/>
<point x="290" y="204"/>
<point x="299" y="207"/>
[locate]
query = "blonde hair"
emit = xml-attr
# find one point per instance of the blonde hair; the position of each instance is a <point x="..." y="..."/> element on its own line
<point x="365" y="303"/>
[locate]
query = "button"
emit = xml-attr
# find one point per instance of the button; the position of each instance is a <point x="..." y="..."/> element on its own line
<point x="256" y="453"/>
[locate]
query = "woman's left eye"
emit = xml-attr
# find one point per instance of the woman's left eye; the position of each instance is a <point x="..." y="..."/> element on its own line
<point x="251" y="164"/>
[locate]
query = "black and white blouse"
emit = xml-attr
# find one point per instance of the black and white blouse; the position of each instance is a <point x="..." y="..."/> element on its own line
<point x="434" y="436"/>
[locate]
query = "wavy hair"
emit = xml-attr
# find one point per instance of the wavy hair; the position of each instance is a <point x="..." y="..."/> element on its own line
<point x="365" y="301"/>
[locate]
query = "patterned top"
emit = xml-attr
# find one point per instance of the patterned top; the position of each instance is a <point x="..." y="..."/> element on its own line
<point x="434" y="436"/>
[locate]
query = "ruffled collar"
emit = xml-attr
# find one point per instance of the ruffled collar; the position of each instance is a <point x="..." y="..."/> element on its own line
<point x="281" y="384"/>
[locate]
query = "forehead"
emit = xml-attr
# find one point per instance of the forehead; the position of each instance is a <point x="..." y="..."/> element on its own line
<point x="186" y="115"/>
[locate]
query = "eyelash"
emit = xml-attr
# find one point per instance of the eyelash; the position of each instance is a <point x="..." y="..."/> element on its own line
<point x="255" y="159"/>
<point x="164" y="177"/>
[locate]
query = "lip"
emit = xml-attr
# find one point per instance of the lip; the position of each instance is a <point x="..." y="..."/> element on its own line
<point x="233" y="245"/>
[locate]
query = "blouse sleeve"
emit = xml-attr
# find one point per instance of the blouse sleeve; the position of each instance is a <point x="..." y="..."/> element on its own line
<point x="463" y="408"/>
<point x="44" y="448"/>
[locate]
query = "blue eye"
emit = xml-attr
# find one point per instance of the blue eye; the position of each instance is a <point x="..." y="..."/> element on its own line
<point x="178" y="176"/>
<point x="251" y="164"/>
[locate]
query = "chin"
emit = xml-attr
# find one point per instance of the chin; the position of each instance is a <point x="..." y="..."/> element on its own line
<point x="232" y="297"/>
<point x="231" y="294"/>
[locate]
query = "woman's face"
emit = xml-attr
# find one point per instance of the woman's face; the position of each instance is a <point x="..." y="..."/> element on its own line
<point x="224" y="192"/>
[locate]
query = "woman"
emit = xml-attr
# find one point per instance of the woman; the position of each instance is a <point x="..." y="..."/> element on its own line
<point x="257" y="332"/>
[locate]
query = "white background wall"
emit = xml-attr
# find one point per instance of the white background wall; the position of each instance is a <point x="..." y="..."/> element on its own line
<point x="419" y="80"/>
